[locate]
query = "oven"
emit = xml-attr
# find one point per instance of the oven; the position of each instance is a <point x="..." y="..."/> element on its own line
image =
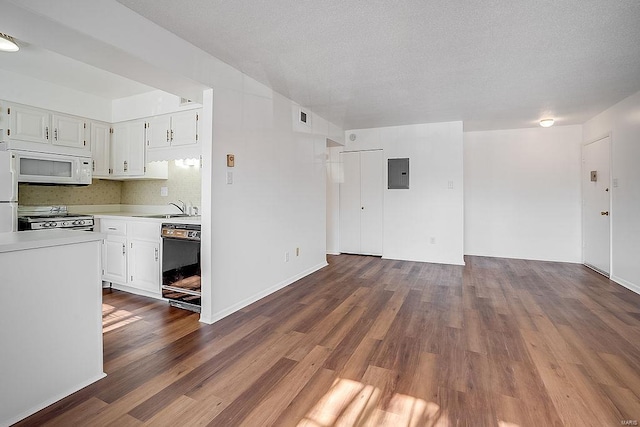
<point x="181" y="265"/>
<point x="52" y="217"/>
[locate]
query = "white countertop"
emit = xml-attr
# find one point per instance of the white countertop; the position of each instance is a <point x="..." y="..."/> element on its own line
<point x="24" y="240"/>
<point x="141" y="217"/>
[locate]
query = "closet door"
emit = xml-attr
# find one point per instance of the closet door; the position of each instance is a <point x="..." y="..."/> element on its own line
<point x="350" y="203"/>
<point x="371" y="196"/>
<point x="361" y="196"/>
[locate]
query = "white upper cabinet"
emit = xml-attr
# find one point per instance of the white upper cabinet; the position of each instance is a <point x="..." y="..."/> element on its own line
<point x="42" y="130"/>
<point x="172" y="130"/>
<point x="159" y="132"/>
<point x="129" y="141"/>
<point x="69" y="131"/>
<point x="184" y="127"/>
<point x="100" y="151"/>
<point x="28" y="124"/>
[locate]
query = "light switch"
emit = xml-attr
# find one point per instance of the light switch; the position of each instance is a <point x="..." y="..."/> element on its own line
<point x="229" y="177"/>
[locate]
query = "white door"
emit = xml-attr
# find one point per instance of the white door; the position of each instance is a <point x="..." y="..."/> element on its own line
<point x="371" y="196"/>
<point x="159" y="132"/>
<point x="184" y="128"/>
<point x="596" y="204"/>
<point x="69" y="131"/>
<point x="350" y="203"/>
<point x="29" y="124"/>
<point x="100" y="137"/>
<point x="361" y="195"/>
<point x="144" y="265"/>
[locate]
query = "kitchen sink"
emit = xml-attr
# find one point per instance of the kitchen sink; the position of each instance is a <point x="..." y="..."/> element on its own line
<point x="167" y="216"/>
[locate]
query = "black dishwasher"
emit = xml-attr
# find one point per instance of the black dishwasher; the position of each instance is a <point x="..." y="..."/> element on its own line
<point x="181" y="265"/>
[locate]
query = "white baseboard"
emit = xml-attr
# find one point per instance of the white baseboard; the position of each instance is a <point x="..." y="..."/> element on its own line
<point x="51" y="400"/>
<point x="628" y="285"/>
<point x="247" y="301"/>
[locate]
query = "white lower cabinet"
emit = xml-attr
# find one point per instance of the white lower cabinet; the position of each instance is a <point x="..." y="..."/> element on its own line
<point x="131" y="255"/>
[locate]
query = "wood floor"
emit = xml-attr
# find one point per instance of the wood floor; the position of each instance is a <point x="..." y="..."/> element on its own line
<point x="375" y="342"/>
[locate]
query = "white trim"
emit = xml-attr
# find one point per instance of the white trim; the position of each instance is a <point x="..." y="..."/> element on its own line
<point x="51" y="400"/>
<point x="247" y="301"/>
<point x="447" y="262"/>
<point x="625" y="284"/>
<point x="333" y="253"/>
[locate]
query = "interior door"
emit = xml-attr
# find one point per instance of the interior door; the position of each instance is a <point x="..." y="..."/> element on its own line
<point x="350" y="203"/>
<point x="371" y="196"/>
<point x="596" y="212"/>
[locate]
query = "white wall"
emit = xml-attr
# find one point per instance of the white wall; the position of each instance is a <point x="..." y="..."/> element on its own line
<point x="522" y="193"/>
<point x="37" y="93"/>
<point x="275" y="204"/>
<point x="277" y="201"/>
<point x="148" y="104"/>
<point x="622" y="121"/>
<point x="429" y="211"/>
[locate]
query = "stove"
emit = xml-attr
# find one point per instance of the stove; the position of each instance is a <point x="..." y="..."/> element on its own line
<point x="49" y="217"/>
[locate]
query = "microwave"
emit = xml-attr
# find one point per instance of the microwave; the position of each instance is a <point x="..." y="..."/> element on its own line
<point x="45" y="168"/>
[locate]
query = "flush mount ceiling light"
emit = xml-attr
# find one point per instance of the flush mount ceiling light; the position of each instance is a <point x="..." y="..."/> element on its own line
<point x="546" y="123"/>
<point x="7" y="44"/>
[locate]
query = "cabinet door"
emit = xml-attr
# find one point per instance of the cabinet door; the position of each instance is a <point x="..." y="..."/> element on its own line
<point x="184" y="128"/>
<point x="100" y="138"/>
<point x="120" y="149"/>
<point x="159" y="132"/>
<point x="371" y="197"/>
<point x="114" y="259"/>
<point x="350" y="203"/>
<point x="144" y="265"/>
<point x="128" y="144"/>
<point x="69" y="131"/>
<point x="29" y="124"/>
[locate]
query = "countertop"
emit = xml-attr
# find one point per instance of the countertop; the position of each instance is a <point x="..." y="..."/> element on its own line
<point x="138" y="216"/>
<point x="25" y="240"/>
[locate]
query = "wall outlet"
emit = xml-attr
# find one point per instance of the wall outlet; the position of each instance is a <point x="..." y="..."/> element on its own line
<point x="432" y="240"/>
<point x="297" y="251"/>
<point x="286" y="257"/>
<point x="229" y="177"/>
<point x="164" y="191"/>
<point x="450" y="185"/>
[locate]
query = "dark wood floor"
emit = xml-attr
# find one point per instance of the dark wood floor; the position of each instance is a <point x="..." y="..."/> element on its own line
<point x="375" y="342"/>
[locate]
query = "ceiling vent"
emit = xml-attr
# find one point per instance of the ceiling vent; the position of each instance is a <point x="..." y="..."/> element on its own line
<point x="304" y="117"/>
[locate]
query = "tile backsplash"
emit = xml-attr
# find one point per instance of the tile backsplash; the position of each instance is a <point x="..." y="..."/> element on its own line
<point x="183" y="183"/>
<point x="98" y="193"/>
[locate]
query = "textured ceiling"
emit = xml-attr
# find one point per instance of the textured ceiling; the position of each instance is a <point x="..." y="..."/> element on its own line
<point x="494" y="64"/>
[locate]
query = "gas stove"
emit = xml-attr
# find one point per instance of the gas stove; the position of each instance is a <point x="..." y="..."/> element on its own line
<point x="49" y="217"/>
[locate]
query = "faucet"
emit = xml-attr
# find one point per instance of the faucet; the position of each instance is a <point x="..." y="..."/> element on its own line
<point x="182" y="208"/>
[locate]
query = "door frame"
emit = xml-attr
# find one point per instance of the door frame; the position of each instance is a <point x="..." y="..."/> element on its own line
<point x="582" y="210"/>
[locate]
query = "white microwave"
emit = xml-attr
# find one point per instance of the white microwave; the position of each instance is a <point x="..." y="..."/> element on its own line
<point x="45" y="168"/>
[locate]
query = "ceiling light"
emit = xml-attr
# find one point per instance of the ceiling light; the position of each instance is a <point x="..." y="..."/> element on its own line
<point x="546" y="123"/>
<point x="7" y="44"/>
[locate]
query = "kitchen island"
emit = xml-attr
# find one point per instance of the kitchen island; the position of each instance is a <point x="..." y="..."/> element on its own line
<point x="51" y="334"/>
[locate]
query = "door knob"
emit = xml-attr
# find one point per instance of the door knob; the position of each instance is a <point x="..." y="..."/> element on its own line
<point x="605" y="213"/>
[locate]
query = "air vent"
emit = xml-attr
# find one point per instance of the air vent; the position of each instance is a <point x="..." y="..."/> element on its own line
<point x="304" y="117"/>
<point x="185" y="101"/>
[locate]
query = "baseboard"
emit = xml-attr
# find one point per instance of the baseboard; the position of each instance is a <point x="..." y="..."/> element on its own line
<point x="624" y="283"/>
<point x="333" y="253"/>
<point x="51" y="401"/>
<point x="247" y="301"/>
<point x="447" y="262"/>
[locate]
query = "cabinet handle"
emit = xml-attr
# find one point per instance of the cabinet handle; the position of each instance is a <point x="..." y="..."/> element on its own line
<point x="55" y="134"/>
<point x="172" y="134"/>
<point x="126" y="166"/>
<point x="93" y="165"/>
<point x="167" y="135"/>
<point x="156" y="249"/>
<point x="112" y="228"/>
<point x="124" y="249"/>
<point x="46" y="132"/>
